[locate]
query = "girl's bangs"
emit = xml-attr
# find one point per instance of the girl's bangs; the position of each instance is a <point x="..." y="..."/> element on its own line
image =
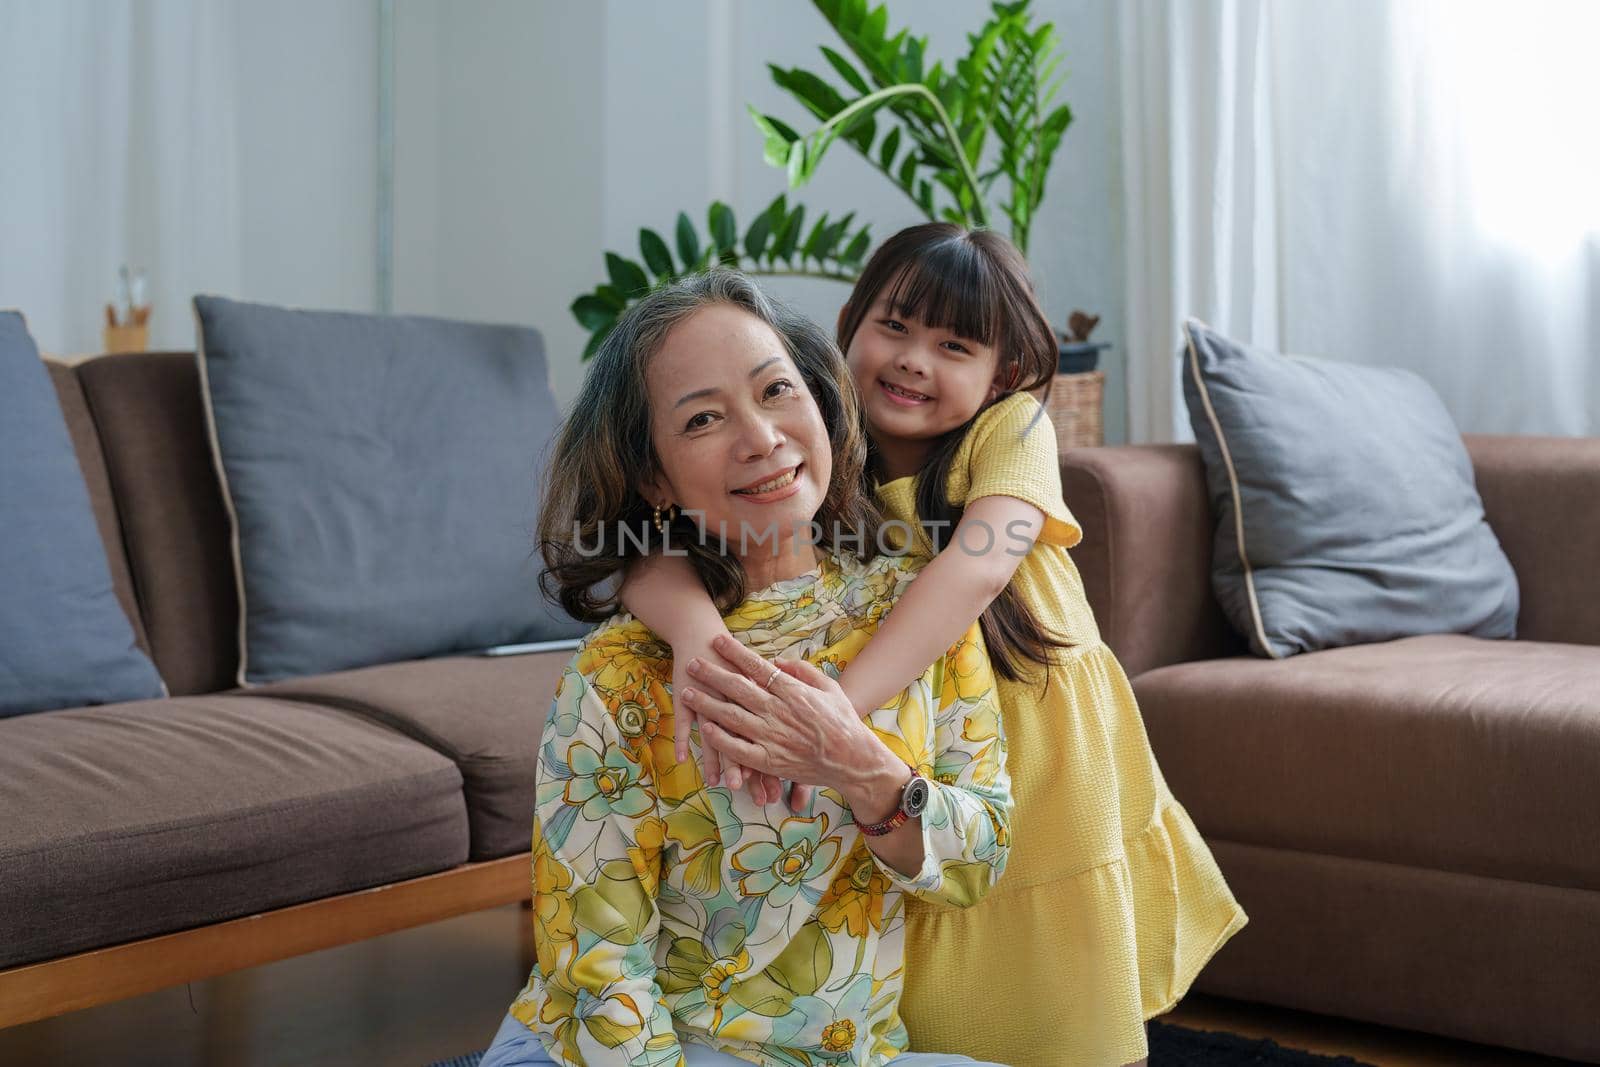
<point x="950" y="286"/>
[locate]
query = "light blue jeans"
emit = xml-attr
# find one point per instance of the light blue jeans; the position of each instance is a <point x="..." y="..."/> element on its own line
<point x="517" y="1046"/>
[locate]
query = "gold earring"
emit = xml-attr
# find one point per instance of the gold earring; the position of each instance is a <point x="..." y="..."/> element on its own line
<point x="671" y="514"/>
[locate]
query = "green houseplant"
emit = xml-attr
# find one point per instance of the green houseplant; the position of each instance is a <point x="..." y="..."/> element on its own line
<point x="969" y="145"/>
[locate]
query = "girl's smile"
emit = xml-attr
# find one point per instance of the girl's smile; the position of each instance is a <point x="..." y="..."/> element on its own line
<point x="901" y="395"/>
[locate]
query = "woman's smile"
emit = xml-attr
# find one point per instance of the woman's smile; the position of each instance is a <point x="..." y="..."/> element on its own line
<point x="780" y="487"/>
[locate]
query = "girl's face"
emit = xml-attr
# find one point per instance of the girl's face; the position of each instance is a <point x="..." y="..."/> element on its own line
<point x="917" y="383"/>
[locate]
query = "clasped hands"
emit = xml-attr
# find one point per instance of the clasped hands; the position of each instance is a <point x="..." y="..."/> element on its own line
<point x="797" y="725"/>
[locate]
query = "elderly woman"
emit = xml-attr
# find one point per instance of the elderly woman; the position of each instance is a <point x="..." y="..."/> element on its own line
<point x="680" y="924"/>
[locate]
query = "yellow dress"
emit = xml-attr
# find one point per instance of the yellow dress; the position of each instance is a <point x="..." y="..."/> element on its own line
<point x="1111" y="903"/>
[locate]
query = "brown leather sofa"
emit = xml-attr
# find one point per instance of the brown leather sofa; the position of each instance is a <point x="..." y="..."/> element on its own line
<point x="1413" y="826"/>
<point x="157" y="842"/>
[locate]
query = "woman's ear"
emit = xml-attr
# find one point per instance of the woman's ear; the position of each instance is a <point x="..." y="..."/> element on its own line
<point x="653" y="492"/>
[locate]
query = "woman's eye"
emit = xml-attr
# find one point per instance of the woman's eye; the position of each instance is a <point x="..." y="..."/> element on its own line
<point x="696" y="424"/>
<point x="787" y="385"/>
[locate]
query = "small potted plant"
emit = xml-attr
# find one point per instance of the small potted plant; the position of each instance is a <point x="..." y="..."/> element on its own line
<point x="1076" y="395"/>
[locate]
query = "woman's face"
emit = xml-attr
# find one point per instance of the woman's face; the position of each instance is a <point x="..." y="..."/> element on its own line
<point x="737" y="432"/>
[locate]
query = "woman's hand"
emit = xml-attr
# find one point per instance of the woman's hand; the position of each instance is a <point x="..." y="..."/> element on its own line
<point x="797" y="724"/>
<point x="764" y="788"/>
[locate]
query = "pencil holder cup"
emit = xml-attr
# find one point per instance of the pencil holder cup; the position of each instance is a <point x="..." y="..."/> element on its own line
<point x="127" y="338"/>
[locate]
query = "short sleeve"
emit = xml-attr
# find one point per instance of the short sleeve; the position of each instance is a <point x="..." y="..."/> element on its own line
<point x="1011" y="451"/>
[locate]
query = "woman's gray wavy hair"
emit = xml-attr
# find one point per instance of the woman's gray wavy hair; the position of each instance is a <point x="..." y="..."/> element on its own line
<point x="602" y="453"/>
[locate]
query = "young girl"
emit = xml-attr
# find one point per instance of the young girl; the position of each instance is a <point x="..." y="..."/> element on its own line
<point x="1111" y="902"/>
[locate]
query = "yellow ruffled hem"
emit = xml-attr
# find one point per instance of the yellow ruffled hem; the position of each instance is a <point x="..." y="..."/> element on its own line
<point x="1068" y="971"/>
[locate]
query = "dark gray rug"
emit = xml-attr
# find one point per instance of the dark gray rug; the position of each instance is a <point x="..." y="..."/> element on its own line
<point x="1171" y="1046"/>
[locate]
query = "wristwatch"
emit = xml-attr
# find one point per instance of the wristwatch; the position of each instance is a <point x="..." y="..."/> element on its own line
<point x="913" y="798"/>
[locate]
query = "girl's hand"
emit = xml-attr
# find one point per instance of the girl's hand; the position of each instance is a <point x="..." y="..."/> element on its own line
<point x="764" y="788"/>
<point x="797" y="725"/>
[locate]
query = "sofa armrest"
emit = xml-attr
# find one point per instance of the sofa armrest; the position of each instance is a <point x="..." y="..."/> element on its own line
<point x="1146" y="553"/>
<point x="1542" y="497"/>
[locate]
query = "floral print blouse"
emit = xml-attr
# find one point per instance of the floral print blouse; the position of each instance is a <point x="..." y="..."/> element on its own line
<point x="666" y="912"/>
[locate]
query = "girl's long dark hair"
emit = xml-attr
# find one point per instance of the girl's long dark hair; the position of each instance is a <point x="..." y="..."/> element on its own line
<point x="975" y="284"/>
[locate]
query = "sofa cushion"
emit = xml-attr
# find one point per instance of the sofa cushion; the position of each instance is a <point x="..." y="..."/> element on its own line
<point x="65" y="638"/>
<point x="1345" y="505"/>
<point x="85" y="433"/>
<point x="1448" y="752"/>
<point x="152" y="425"/>
<point x="382" y="474"/>
<point x="486" y="713"/>
<point x="138" y="819"/>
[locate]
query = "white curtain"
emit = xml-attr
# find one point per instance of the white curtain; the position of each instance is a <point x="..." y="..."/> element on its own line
<point x="1405" y="182"/>
<point x="120" y="146"/>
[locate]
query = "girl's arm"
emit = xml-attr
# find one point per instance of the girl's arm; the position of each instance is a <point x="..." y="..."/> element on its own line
<point x="665" y="594"/>
<point x="944" y="600"/>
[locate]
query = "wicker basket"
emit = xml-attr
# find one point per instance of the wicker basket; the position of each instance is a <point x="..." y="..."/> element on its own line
<point x="1075" y="405"/>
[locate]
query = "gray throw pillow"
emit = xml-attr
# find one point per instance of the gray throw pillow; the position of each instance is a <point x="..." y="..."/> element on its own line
<point x="64" y="639"/>
<point x="382" y="475"/>
<point x="1347" y="512"/>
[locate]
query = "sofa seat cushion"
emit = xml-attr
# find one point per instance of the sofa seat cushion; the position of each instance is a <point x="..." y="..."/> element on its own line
<point x="130" y="820"/>
<point x="484" y="712"/>
<point x="1446" y="752"/>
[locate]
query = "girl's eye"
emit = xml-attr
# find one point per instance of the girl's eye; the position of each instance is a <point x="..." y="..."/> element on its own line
<point x="894" y="325"/>
<point x="787" y="385"/>
<point x="957" y="345"/>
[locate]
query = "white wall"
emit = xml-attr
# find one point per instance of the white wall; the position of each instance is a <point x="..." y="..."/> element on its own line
<point x="307" y="92"/>
<point x="531" y="138"/>
<point x="226" y="146"/>
<point x="499" y="163"/>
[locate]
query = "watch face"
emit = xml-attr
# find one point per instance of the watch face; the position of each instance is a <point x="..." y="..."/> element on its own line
<point x="916" y="797"/>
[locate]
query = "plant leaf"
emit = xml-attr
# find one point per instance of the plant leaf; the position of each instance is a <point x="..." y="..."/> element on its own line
<point x="809" y="249"/>
<point x="856" y="248"/>
<point x="873" y="26"/>
<point x="846" y="71"/>
<point x="908" y="170"/>
<point x="820" y="98"/>
<point x="593" y="313"/>
<point x="656" y="256"/>
<point x="889" y="148"/>
<point x="724" y="231"/>
<point x="688" y="241"/>
<point x="776" y="137"/>
<point x="757" y="236"/>
<point x="626" y="276"/>
<point x="789" y="235"/>
<point x="797" y="164"/>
